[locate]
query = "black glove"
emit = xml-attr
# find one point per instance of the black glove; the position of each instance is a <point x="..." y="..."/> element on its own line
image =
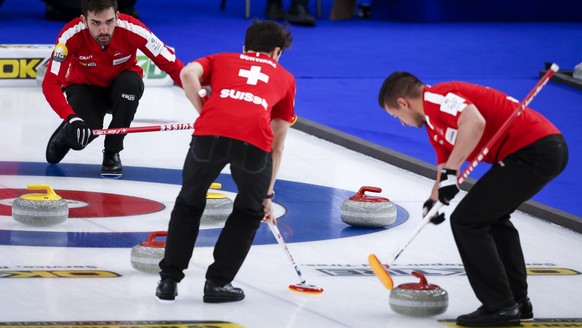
<point x="438" y="218"/>
<point x="78" y="132"/>
<point x="448" y="186"/>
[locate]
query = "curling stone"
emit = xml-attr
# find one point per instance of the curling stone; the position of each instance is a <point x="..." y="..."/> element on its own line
<point x="40" y="209"/>
<point x="419" y="299"/>
<point x="218" y="207"/>
<point x="365" y="211"/>
<point x="146" y="256"/>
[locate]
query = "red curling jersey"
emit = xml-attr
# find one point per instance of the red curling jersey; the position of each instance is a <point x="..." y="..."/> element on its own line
<point x="78" y="59"/>
<point x="444" y="103"/>
<point x="248" y="91"/>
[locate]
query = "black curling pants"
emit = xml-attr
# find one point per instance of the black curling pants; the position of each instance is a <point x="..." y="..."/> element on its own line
<point x="251" y="170"/>
<point x="488" y="242"/>
<point x="121" y="100"/>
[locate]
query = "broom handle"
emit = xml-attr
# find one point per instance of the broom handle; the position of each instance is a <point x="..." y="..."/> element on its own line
<point x="151" y="128"/>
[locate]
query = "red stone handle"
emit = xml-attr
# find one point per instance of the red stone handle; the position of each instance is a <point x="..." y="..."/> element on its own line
<point x="423" y="282"/>
<point x="361" y="194"/>
<point x="151" y="242"/>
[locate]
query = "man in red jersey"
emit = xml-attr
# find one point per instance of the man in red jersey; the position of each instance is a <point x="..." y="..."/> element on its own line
<point x="460" y="119"/>
<point x="243" y="123"/>
<point x="94" y="62"/>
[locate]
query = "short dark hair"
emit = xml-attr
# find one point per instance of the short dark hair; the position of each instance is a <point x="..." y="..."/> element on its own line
<point x="97" y="6"/>
<point x="399" y="85"/>
<point x="265" y="36"/>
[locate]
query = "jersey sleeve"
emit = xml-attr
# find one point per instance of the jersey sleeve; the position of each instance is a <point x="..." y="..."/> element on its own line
<point x="285" y="109"/>
<point x="206" y="63"/>
<point x="164" y="57"/>
<point x="57" y="69"/>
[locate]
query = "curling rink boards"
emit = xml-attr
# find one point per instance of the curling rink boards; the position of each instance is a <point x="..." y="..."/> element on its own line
<point x="78" y="273"/>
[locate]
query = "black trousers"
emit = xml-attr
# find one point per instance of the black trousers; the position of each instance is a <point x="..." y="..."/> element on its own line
<point x="488" y="242"/>
<point x="251" y="170"/>
<point x="121" y="100"/>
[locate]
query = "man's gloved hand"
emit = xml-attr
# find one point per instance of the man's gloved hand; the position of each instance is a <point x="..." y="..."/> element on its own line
<point x="78" y="132"/>
<point x="438" y="218"/>
<point x="448" y="186"/>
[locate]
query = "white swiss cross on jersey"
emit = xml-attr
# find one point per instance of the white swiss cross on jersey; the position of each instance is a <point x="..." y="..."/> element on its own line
<point x="254" y="75"/>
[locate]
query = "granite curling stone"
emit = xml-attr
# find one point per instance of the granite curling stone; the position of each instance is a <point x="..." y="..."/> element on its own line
<point x="365" y="211"/>
<point x="419" y="299"/>
<point x="146" y="256"/>
<point x="218" y="207"/>
<point x="40" y="209"/>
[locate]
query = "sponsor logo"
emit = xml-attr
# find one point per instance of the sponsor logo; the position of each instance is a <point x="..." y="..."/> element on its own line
<point x="128" y="97"/>
<point x="176" y="126"/>
<point x="451" y="135"/>
<point x="244" y="96"/>
<point x="48" y="267"/>
<point x="86" y="57"/>
<point x="121" y="60"/>
<point x="435" y="270"/>
<point x="258" y="60"/>
<point x="452" y="104"/>
<point x="19" y="68"/>
<point x="60" y="52"/>
<point x="58" y="274"/>
<point x="121" y="324"/>
<point x="26" y="46"/>
<point x="91" y="64"/>
<point x="155" y="45"/>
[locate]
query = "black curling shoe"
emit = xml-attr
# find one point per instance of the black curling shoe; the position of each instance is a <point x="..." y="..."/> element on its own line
<point x="214" y="293"/>
<point x="508" y="316"/>
<point x="525" y="309"/>
<point x="167" y="290"/>
<point x="111" y="167"/>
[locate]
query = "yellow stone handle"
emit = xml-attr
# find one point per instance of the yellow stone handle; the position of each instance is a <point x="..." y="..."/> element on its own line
<point x="215" y="195"/>
<point x="48" y="195"/>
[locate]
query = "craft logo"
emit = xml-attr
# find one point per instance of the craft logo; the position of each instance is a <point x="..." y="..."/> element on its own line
<point x="19" y="68"/>
<point x="122" y="324"/>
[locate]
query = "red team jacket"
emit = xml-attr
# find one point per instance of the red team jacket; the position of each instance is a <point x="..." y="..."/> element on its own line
<point x="78" y="59"/>
<point x="444" y="102"/>
<point x="252" y="88"/>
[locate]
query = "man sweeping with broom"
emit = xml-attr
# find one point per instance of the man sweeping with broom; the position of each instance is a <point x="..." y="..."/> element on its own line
<point x="461" y="119"/>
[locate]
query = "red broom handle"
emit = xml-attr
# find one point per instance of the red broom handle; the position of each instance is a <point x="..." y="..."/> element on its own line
<point x="151" y="128"/>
